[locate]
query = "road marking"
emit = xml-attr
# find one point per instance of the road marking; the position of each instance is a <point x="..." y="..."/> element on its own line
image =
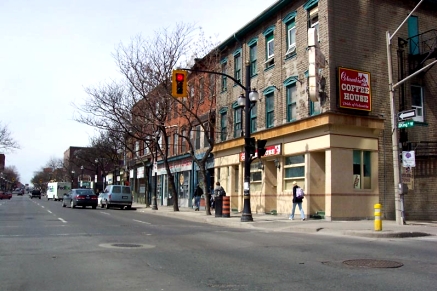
<point x="62" y="220"/>
<point x="49" y="212"/>
<point x="141" y="221"/>
<point x="105" y="213"/>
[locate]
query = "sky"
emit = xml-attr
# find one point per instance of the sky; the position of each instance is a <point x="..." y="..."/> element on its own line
<point x="51" y="50"/>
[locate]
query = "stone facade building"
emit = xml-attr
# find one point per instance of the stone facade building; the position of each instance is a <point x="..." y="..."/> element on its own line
<point x="337" y="143"/>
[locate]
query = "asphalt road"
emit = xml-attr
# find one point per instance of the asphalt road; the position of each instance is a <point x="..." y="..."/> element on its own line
<point x="45" y="247"/>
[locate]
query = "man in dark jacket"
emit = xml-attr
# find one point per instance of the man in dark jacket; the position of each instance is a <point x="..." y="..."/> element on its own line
<point x="296" y="201"/>
<point x="197" y="194"/>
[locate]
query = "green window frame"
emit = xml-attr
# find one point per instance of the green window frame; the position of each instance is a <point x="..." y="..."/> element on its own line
<point x="270" y="110"/>
<point x="290" y="26"/>
<point x="253" y="118"/>
<point x="238" y="125"/>
<point x="253" y="55"/>
<point x="294" y="169"/>
<point x="237" y="65"/>
<point x="417" y="102"/>
<point x="270" y="46"/>
<point x="224" y="79"/>
<point x="291" y="98"/>
<point x="362" y="169"/>
<point x="255" y="177"/>
<point x="223" y="124"/>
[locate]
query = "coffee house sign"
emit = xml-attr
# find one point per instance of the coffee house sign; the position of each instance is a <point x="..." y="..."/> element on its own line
<point x="354" y="89"/>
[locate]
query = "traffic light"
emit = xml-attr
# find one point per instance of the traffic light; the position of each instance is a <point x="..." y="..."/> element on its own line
<point x="250" y="145"/>
<point x="261" y="147"/>
<point x="179" y="86"/>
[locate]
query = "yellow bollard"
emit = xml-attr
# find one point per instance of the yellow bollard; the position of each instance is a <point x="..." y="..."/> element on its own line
<point x="378" y="221"/>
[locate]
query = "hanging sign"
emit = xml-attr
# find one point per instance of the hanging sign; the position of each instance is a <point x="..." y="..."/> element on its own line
<point x="354" y="89"/>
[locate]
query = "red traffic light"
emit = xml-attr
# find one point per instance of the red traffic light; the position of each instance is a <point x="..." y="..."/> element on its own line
<point x="180" y="77"/>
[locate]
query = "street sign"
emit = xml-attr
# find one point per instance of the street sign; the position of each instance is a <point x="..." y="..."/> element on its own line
<point x="407" y="114"/>
<point x="406" y="124"/>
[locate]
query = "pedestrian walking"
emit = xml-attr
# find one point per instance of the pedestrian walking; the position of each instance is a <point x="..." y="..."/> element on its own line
<point x="297" y="201"/>
<point x="219" y="190"/>
<point x="197" y="194"/>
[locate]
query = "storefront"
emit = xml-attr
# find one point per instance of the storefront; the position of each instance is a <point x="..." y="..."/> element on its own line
<point x="334" y="157"/>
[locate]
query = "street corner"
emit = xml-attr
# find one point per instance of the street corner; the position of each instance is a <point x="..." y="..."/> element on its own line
<point x="387" y="234"/>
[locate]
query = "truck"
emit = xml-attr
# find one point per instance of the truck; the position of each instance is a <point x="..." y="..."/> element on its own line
<point x="56" y="190"/>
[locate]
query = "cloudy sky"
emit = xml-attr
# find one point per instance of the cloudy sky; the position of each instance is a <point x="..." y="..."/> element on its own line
<point x="50" y="50"/>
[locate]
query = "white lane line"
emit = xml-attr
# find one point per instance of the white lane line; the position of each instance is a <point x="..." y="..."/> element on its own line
<point x="62" y="220"/>
<point x="105" y="213"/>
<point x="49" y="212"/>
<point x="141" y="221"/>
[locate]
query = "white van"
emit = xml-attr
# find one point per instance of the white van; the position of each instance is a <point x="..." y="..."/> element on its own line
<point x="116" y="196"/>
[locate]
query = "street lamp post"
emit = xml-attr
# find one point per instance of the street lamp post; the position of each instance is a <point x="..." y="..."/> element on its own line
<point x="81" y="176"/>
<point x="72" y="179"/>
<point x="155" y="175"/>
<point x="250" y="98"/>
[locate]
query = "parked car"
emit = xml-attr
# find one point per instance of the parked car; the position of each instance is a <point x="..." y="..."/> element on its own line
<point x="35" y="194"/>
<point x="5" y="195"/>
<point x="80" y="197"/>
<point x="116" y="196"/>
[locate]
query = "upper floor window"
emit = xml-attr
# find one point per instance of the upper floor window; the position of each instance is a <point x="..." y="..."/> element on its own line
<point x="183" y="142"/>
<point x="224" y="82"/>
<point x="137" y="148"/>
<point x="206" y="134"/>
<point x="201" y="88"/>
<point x="237" y="65"/>
<point x="253" y="118"/>
<point x="238" y="111"/>
<point x="290" y="26"/>
<point x="270" y="46"/>
<point x="175" y="144"/>
<point x="270" y="110"/>
<point x="253" y="52"/>
<point x="212" y="85"/>
<point x="146" y="149"/>
<point x="223" y="125"/>
<point x="291" y="92"/>
<point x="197" y="135"/>
<point x="417" y="102"/>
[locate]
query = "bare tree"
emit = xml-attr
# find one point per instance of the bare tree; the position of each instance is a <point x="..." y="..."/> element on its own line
<point x="7" y="143"/>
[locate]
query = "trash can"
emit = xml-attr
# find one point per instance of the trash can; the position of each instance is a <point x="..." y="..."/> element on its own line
<point x="226" y="206"/>
<point x="218" y="206"/>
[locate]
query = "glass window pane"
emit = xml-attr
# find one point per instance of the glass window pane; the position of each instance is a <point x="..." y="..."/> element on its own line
<point x="300" y="159"/>
<point x="294" y="172"/>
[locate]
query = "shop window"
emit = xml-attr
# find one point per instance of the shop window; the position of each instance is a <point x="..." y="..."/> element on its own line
<point x="361" y="169"/>
<point x="417" y="102"/>
<point x="294" y="169"/>
<point x="255" y="177"/>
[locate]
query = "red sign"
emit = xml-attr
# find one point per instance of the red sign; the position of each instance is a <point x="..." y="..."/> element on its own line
<point x="270" y="151"/>
<point x="354" y="88"/>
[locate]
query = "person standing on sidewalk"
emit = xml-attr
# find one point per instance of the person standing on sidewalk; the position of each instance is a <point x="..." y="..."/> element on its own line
<point x="197" y="194"/>
<point x="296" y="201"/>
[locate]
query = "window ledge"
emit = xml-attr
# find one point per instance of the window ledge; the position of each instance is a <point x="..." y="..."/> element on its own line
<point x="269" y="68"/>
<point x="290" y="56"/>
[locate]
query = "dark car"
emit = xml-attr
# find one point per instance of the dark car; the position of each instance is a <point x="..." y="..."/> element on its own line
<point x="80" y="197"/>
<point x="5" y="195"/>
<point x="35" y="194"/>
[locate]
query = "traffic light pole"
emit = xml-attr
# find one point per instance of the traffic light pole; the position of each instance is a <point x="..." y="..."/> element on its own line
<point x="247" y="213"/>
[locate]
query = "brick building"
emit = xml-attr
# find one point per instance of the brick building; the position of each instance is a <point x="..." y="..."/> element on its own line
<point x="337" y="144"/>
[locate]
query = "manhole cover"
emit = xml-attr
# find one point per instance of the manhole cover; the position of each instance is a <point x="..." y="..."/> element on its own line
<point x="368" y="263"/>
<point x="127" y="245"/>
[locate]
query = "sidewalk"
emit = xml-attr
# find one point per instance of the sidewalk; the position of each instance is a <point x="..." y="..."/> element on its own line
<point x="281" y="223"/>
